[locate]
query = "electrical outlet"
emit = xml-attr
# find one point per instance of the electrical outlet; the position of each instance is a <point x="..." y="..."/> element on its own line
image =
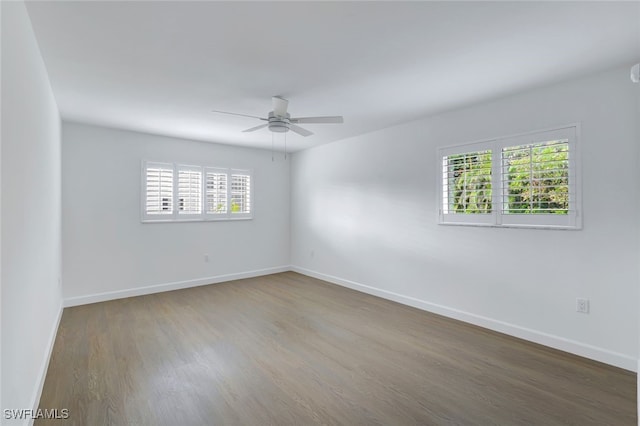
<point x="206" y="258"/>
<point x="582" y="305"/>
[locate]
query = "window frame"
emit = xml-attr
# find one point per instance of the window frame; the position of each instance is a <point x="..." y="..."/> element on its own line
<point x="186" y="215"/>
<point x="157" y="217"/>
<point x="203" y="216"/>
<point x="497" y="218"/>
<point x="477" y="219"/>
<point x="216" y="216"/>
<point x="239" y="215"/>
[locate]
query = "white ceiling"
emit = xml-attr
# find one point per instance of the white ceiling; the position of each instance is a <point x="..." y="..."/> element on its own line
<point x="160" y="67"/>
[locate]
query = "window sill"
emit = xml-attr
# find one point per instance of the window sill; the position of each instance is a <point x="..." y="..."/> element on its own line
<point x="510" y="225"/>
<point x="225" y="219"/>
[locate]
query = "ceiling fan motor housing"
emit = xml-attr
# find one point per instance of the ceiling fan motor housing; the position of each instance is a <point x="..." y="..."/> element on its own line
<point x="279" y="124"/>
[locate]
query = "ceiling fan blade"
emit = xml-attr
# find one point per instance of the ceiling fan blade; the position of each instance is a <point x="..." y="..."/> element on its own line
<point x="299" y="130"/>
<point x="336" y="119"/>
<point x="280" y="106"/>
<point x="253" y="129"/>
<point x="235" y="113"/>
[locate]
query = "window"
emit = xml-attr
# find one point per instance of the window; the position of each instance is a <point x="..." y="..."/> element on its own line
<point x="535" y="178"/>
<point x="216" y="192"/>
<point x="528" y="180"/>
<point x="467" y="187"/>
<point x="189" y="190"/>
<point x="159" y="189"/>
<point x="240" y="194"/>
<point x="176" y="192"/>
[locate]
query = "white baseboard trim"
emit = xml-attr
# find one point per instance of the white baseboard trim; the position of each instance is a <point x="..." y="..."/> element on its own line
<point x="45" y="362"/>
<point x="556" y="342"/>
<point x="178" y="285"/>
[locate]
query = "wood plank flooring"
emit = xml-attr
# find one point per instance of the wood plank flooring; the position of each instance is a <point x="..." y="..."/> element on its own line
<point x="286" y="349"/>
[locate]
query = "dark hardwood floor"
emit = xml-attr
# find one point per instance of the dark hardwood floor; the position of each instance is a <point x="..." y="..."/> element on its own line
<point x="287" y="349"/>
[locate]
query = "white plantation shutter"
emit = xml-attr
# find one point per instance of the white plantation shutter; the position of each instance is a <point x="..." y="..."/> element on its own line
<point x="467" y="185"/>
<point x="176" y="192"/>
<point x="189" y="190"/>
<point x="158" y="189"/>
<point x="532" y="171"/>
<point x="539" y="179"/>
<point x="240" y="199"/>
<point x="528" y="180"/>
<point x="216" y="192"/>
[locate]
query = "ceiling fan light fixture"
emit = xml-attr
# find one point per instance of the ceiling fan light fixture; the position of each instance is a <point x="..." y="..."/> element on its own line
<point x="279" y="124"/>
<point x="280" y="121"/>
<point x="279" y="127"/>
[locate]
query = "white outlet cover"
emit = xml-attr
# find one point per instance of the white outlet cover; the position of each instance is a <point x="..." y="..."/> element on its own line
<point x="582" y="305"/>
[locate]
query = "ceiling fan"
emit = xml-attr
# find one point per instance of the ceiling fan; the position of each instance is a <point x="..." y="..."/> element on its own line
<point x="280" y="121"/>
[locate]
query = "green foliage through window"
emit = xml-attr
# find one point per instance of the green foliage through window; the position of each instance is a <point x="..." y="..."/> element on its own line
<point x="240" y="193"/>
<point x="468" y="182"/>
<point x="536" y="178"/>
<point x="527" y="180"/>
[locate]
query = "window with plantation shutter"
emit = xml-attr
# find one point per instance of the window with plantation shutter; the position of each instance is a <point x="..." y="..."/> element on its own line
<point x="535" y="178"/>
<point x="529" y="180"/>
<point x="189" y="190"/>
<point x="240" y="194"/>
<point x="466" y="186"/>
<point x="178" y="193"/>
<point x="158" y="190"/>
<point x="216" y="192"/>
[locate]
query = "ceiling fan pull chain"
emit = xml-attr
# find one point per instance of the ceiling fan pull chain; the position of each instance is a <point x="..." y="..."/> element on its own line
<point x="285" y="145"/>
<point x="272" y="145"/>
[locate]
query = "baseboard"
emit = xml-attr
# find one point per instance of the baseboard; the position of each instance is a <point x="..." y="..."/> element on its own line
<point x="567" y="345"/>
<point x="45" y="365"/>
<point x="178" y="285"/>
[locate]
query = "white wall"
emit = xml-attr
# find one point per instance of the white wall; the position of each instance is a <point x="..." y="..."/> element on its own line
<point x="364" y="214"/>
<point x="30" y="224"/>
<point x="1" y="405"/>
<point x="637" y="91"/>
<point x="109" y="253"/>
